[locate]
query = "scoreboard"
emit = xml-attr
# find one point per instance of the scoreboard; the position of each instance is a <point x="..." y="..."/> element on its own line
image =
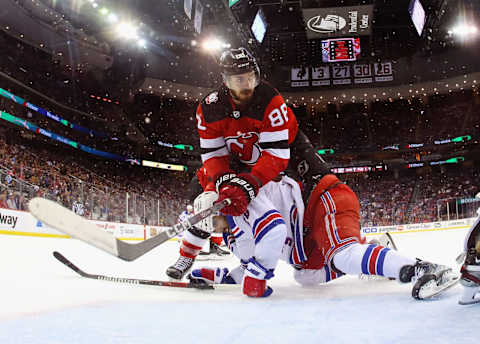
<point x="340" y="49"/>
<point x="342" y="74"/>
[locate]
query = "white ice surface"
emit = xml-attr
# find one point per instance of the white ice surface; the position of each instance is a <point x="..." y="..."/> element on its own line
<point x="42" y="301"/>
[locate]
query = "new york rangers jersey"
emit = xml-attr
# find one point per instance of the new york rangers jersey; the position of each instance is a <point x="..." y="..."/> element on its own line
<point x="272" y="227"/>
<point x="257" y="137"/>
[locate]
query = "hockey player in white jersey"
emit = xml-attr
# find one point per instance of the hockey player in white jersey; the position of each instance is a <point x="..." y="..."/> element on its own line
<point x="390" y="263"/>
<point x="269" y="231"/>
<point x="332" y="245"/>
<point x="470" y="270"/>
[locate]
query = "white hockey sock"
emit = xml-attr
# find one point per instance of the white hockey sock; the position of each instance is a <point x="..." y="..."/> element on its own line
<point x="370" y="260"/>
<point x="191" y="245"/>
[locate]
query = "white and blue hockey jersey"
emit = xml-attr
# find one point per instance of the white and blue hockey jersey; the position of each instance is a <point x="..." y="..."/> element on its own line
<point x="272" y="227"/>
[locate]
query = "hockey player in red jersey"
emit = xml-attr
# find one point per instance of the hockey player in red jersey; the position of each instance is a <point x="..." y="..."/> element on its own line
<point x="332" y="241"/>
<point x="246" y="121"/>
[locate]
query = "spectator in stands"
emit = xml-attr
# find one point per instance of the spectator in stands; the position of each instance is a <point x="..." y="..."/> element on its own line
<point x="3" y="199"/>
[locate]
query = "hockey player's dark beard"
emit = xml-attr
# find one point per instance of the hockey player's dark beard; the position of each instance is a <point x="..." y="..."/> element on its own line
<point x="242" y="97"/>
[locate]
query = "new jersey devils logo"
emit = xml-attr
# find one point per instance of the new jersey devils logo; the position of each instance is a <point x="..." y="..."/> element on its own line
<point x="245" y="147"/>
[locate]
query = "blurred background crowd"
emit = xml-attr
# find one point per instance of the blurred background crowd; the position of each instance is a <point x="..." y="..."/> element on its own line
<point x="358" y="134"/>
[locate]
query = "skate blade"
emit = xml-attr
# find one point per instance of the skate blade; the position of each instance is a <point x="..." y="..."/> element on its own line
<point x="213" y="257"/>
<point x="461" y="258"/>
<point x="431" y="289"/>
<point x="466" y="303"/>
<point x="470" y="297"/>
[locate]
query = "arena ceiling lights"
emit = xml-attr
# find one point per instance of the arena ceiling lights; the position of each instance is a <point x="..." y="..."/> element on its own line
<point x="124" y="30"/>
<point x="214" y="44"/>
<point x="464" y="30"/>
<point x="129" y="32"/>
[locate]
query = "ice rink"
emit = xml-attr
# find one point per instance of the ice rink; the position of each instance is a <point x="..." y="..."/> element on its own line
<point x="42" y="301"/>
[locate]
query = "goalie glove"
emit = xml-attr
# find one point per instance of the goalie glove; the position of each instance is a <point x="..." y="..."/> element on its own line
<point x="209" y="275"/>
<point x="241" y="189"/>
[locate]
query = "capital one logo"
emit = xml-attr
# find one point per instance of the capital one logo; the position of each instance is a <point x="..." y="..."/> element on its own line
<point x="245" y="147"/>
<point x="329" y="24"/>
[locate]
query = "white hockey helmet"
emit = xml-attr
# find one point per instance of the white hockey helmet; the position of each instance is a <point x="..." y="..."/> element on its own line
<point x="204" y="201"/>
<point x="189" y="208"/>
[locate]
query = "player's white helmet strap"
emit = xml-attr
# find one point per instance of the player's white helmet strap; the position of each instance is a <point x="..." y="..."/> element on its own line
<point x="204" y="201"/>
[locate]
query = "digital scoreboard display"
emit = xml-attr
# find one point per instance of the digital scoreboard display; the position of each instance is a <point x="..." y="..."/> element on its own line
<point x="340" y="49"/>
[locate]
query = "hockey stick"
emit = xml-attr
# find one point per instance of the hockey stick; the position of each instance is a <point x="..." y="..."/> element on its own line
<point x="82" y="273"/>
<point x="66" y="221"/>
<point x="391" y="241"/>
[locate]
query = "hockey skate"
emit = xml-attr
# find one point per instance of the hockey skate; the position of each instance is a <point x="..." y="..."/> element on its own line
<point x="215" y="253"/>
<point x="180" y="268"/>
<point x="428" y="279"/>
<point x="384" y="240"/>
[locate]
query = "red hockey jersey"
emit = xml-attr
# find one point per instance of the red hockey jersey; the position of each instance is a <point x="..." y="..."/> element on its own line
<point x="258" y="136"/>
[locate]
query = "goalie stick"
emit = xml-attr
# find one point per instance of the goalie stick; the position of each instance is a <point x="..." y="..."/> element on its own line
<point x="66" y="221"/>
<point x="61" y="258"/>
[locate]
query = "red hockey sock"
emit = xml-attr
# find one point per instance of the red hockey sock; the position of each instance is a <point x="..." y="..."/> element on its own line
<point x="216" y="240"/>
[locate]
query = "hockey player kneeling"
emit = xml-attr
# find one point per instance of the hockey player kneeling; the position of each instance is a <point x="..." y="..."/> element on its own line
<point x="332" y="226"/>
<point x="259" y="238"/>
<point x="252" y="274"/>
<point x="334" y="246"/>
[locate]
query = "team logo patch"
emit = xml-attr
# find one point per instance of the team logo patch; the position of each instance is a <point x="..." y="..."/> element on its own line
<point x="236" y="114"/>
<point x="212" y="98"/>
<point x="245" y="146"/>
